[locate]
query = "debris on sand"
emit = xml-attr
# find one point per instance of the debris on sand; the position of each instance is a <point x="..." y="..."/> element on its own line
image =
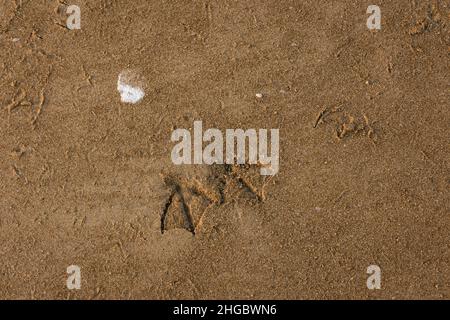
<point x="129" y="91"/>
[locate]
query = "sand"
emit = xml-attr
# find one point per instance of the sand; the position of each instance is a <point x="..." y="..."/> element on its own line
<point x="87" y="180"/>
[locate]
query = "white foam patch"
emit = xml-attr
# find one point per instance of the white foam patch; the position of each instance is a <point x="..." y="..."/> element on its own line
<point x="128" y="93"/>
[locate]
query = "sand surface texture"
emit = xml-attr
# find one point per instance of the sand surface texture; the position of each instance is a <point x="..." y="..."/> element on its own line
<point x="87" y="180"/>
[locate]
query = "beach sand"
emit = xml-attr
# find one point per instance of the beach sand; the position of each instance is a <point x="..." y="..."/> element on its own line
<point x="364" y="150"/>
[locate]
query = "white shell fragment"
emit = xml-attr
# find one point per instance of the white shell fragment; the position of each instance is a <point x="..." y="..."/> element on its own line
<point x="259" y="95"/>
<point x="128" y="92"/>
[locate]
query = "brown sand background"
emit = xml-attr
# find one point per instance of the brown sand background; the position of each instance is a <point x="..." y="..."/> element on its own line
<point x="82" y="174"/>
